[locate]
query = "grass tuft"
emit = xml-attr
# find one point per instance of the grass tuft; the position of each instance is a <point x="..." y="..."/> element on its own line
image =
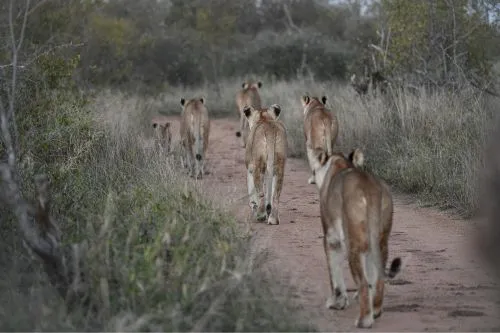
<point x="161" y="256"/>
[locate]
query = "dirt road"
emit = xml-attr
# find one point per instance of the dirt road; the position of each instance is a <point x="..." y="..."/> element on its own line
<point x="441" y="288"/>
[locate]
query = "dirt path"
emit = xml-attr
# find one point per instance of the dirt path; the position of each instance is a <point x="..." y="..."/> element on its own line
<point x="441" y="288"/>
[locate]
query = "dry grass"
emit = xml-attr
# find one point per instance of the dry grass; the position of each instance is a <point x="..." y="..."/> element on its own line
<point x="428" y="144"/>
<point x="161" y="255"/>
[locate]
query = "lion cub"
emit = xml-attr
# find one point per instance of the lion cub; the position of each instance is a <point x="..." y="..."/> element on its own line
<point x="265" y="155"/>
<point x="194" y="133"/>
<point x="356" y="214"/>
<point x="320" y="130"/>
<point x="247" y="96"/>
<point x="163" y="135"/>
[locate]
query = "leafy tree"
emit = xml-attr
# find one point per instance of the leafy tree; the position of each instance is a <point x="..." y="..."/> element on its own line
<point x="436" y="39"/>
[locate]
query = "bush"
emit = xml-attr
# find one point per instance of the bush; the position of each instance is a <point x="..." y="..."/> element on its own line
<point x="161" y="256"/>
<point x="283" y="56"/>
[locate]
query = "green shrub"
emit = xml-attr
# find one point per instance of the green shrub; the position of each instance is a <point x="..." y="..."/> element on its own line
<point x="161" y="256"/>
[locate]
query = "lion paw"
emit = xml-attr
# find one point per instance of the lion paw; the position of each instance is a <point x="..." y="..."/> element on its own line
<point x="365" y="322"/>
<point x="273" y="220"/>
<point x="253" y="206"/>
<point x="261" y="216"/>
<point x="337" y="303"/>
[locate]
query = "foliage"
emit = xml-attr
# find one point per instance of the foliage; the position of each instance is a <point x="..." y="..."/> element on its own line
<point x="151" y="44"/>
<point x="161" y="255"/>
<point x="111" y="40"/>
<point x="438" y="39"/>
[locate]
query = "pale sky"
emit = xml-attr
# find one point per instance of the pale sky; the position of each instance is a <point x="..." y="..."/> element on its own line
<point x="364" y="3"/>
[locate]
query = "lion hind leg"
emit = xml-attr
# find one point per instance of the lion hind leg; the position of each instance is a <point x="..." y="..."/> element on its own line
<point x="259" y="183"/>
<point x="245" y="132"/>
<point x="277" y="186"/>
<point x="190" y="162"/>
<point x="334" y="248"/>
<point x="368" y="283"/>
<point x="242" y="118"/>
<point x="354" y="265"/>
<point x="252" y="194"/>
<point x="312" y="157"/>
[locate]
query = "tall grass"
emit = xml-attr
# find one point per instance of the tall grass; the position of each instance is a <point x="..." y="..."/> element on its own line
<point x="430" y="144"/>
<point x="161" y="256"/>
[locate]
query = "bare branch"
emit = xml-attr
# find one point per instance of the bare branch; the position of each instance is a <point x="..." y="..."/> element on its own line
<point x="291" y="24"/>
<point x="6" y="135"/>
<point x="35" y="7"/>
<point x="42" y="235"/>
<point x="39" y="230"/>
<point x="380" y="50"/>
<point x="23" y="27"/>
<point x="15" y="52"/>
<point x="10" y="65"/>
<point x="45" y="245"/>
<point x="37" y="56"/>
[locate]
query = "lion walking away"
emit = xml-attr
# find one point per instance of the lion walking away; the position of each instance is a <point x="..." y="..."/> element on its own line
<point x="162" y="134"/>
<point x="265" y="156"/>
<point x="247" y="96"/>
<point x="320" y="130"/>
<point x="194" y="134"/>
<point x="356" y="214"/>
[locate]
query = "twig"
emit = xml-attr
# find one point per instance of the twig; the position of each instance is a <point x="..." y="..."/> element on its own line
<point x="288" y="16"/>
<point x="39" y="230"/>
<point x="15" y="51"/>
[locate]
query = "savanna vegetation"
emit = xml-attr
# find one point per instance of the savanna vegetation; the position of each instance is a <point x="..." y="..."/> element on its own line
<point x="141" y="246"/>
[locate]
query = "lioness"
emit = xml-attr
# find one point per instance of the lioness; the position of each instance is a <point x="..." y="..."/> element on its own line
<point x="356" y="214"/>
<point x="320" y="130"/>
<point x="162" y="133"/>
<point x="247" y="96"/>
<point x="265" y="155"/>
<point x="194" y="132"/>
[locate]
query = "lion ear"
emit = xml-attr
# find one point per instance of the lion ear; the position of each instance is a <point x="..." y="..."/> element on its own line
<point x="247" y="111"/>
<point x="305" y="99"/>
<point x="357" y="157"/>
<point x="322" y="158"/>
<point x="276" y="109"/>
<point x="244" y="85"/>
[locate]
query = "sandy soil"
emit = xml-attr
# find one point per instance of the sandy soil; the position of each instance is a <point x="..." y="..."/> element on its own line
<point x="442" y="287"/>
